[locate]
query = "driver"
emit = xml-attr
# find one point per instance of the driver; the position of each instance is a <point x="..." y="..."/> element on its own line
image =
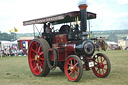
<point x="48" y="29"/>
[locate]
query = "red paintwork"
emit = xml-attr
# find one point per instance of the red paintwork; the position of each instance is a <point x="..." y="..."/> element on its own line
<point x="59" y="41"/>
<point x="70" y="48"/>
<point x="62" y="38"/>
<point x="64" y="49"/>
<point x="21" y="43"/>
<point x="62" y="55"/>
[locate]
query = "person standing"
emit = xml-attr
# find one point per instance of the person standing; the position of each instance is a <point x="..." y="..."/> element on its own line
<point x="7" y="50"/>
<point x="48" y="29"/>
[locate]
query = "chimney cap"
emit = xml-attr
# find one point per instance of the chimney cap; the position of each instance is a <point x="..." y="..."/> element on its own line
<point x="83" y="6"/>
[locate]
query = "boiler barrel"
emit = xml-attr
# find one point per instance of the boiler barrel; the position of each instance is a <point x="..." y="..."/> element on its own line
<point x="81" y="48"/>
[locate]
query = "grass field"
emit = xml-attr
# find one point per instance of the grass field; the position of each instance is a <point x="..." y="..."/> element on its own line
<point x="15" y="71"/>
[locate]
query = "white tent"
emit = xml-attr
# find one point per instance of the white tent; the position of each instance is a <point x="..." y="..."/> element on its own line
<point x="7" y="43"/>
<point x="113" y="43"/>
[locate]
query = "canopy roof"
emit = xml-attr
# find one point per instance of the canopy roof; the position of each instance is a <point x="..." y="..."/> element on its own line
<point x="60" y="18"/>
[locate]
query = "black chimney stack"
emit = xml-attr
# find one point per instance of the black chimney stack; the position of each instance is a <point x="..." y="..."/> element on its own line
<point x="83" y="16"/>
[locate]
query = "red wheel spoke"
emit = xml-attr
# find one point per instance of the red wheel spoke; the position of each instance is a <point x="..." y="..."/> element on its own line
<point x="35" y="68"/>
<point x="41" y="53"/>
<point x="76" y="73"/>
<point x="99" y="71"/>
<point x="71" y="73"/>
<point x="39" y="68"/>
<point x="97" y="60"/>
<point x="96" y="66"/>
<point x="103" y="60"/>
<point x="41" y="64"/>
<point x="103" y="70"/>
<point x="100" y="59"/>
<point x="38" y="63"/>
<point x="41" y="59"/>
<point x="69" y="64"/>
<point x="105" y="64"/>
<point x="34" y="50"/>
<point x="32" y="60"/>
<point x="36" y="46"/>
<point x="75" y="64"/>
<point x="39" y="48"/>
<point x="74" y="61"/>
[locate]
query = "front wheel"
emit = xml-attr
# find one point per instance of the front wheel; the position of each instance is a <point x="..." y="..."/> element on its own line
<point x="73" y="68"/>
<point x="102" y="65"/>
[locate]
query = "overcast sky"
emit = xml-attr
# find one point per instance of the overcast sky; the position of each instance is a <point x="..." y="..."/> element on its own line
<point x="111" y="14"/>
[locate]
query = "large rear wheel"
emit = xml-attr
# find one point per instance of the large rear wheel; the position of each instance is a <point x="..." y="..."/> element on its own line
<point x="37" y="57"/>
<point x="73" y="68"/>
<point x="102" y="65"/>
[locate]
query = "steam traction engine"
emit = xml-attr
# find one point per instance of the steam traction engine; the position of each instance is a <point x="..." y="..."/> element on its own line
<point x="68" y="48"/>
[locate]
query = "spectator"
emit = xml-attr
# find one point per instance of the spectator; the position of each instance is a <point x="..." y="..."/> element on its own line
<point x="0" y="52"/>
<point x="15" y="52"/>
<point x="20" y="52"/>
<point x="11" y="52"/>
<point x="7" y="51"/>
<point x="4" y="52"/>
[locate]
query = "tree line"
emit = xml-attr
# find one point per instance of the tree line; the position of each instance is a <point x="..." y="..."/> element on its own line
<point x="110" y="32"/>
<point x="7" y="37"/>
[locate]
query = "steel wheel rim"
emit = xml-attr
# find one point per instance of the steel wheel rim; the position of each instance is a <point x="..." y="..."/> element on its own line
<point x="101" y="66"/>
<point x="36" y="58"/>
<point x="72" y="69"/>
